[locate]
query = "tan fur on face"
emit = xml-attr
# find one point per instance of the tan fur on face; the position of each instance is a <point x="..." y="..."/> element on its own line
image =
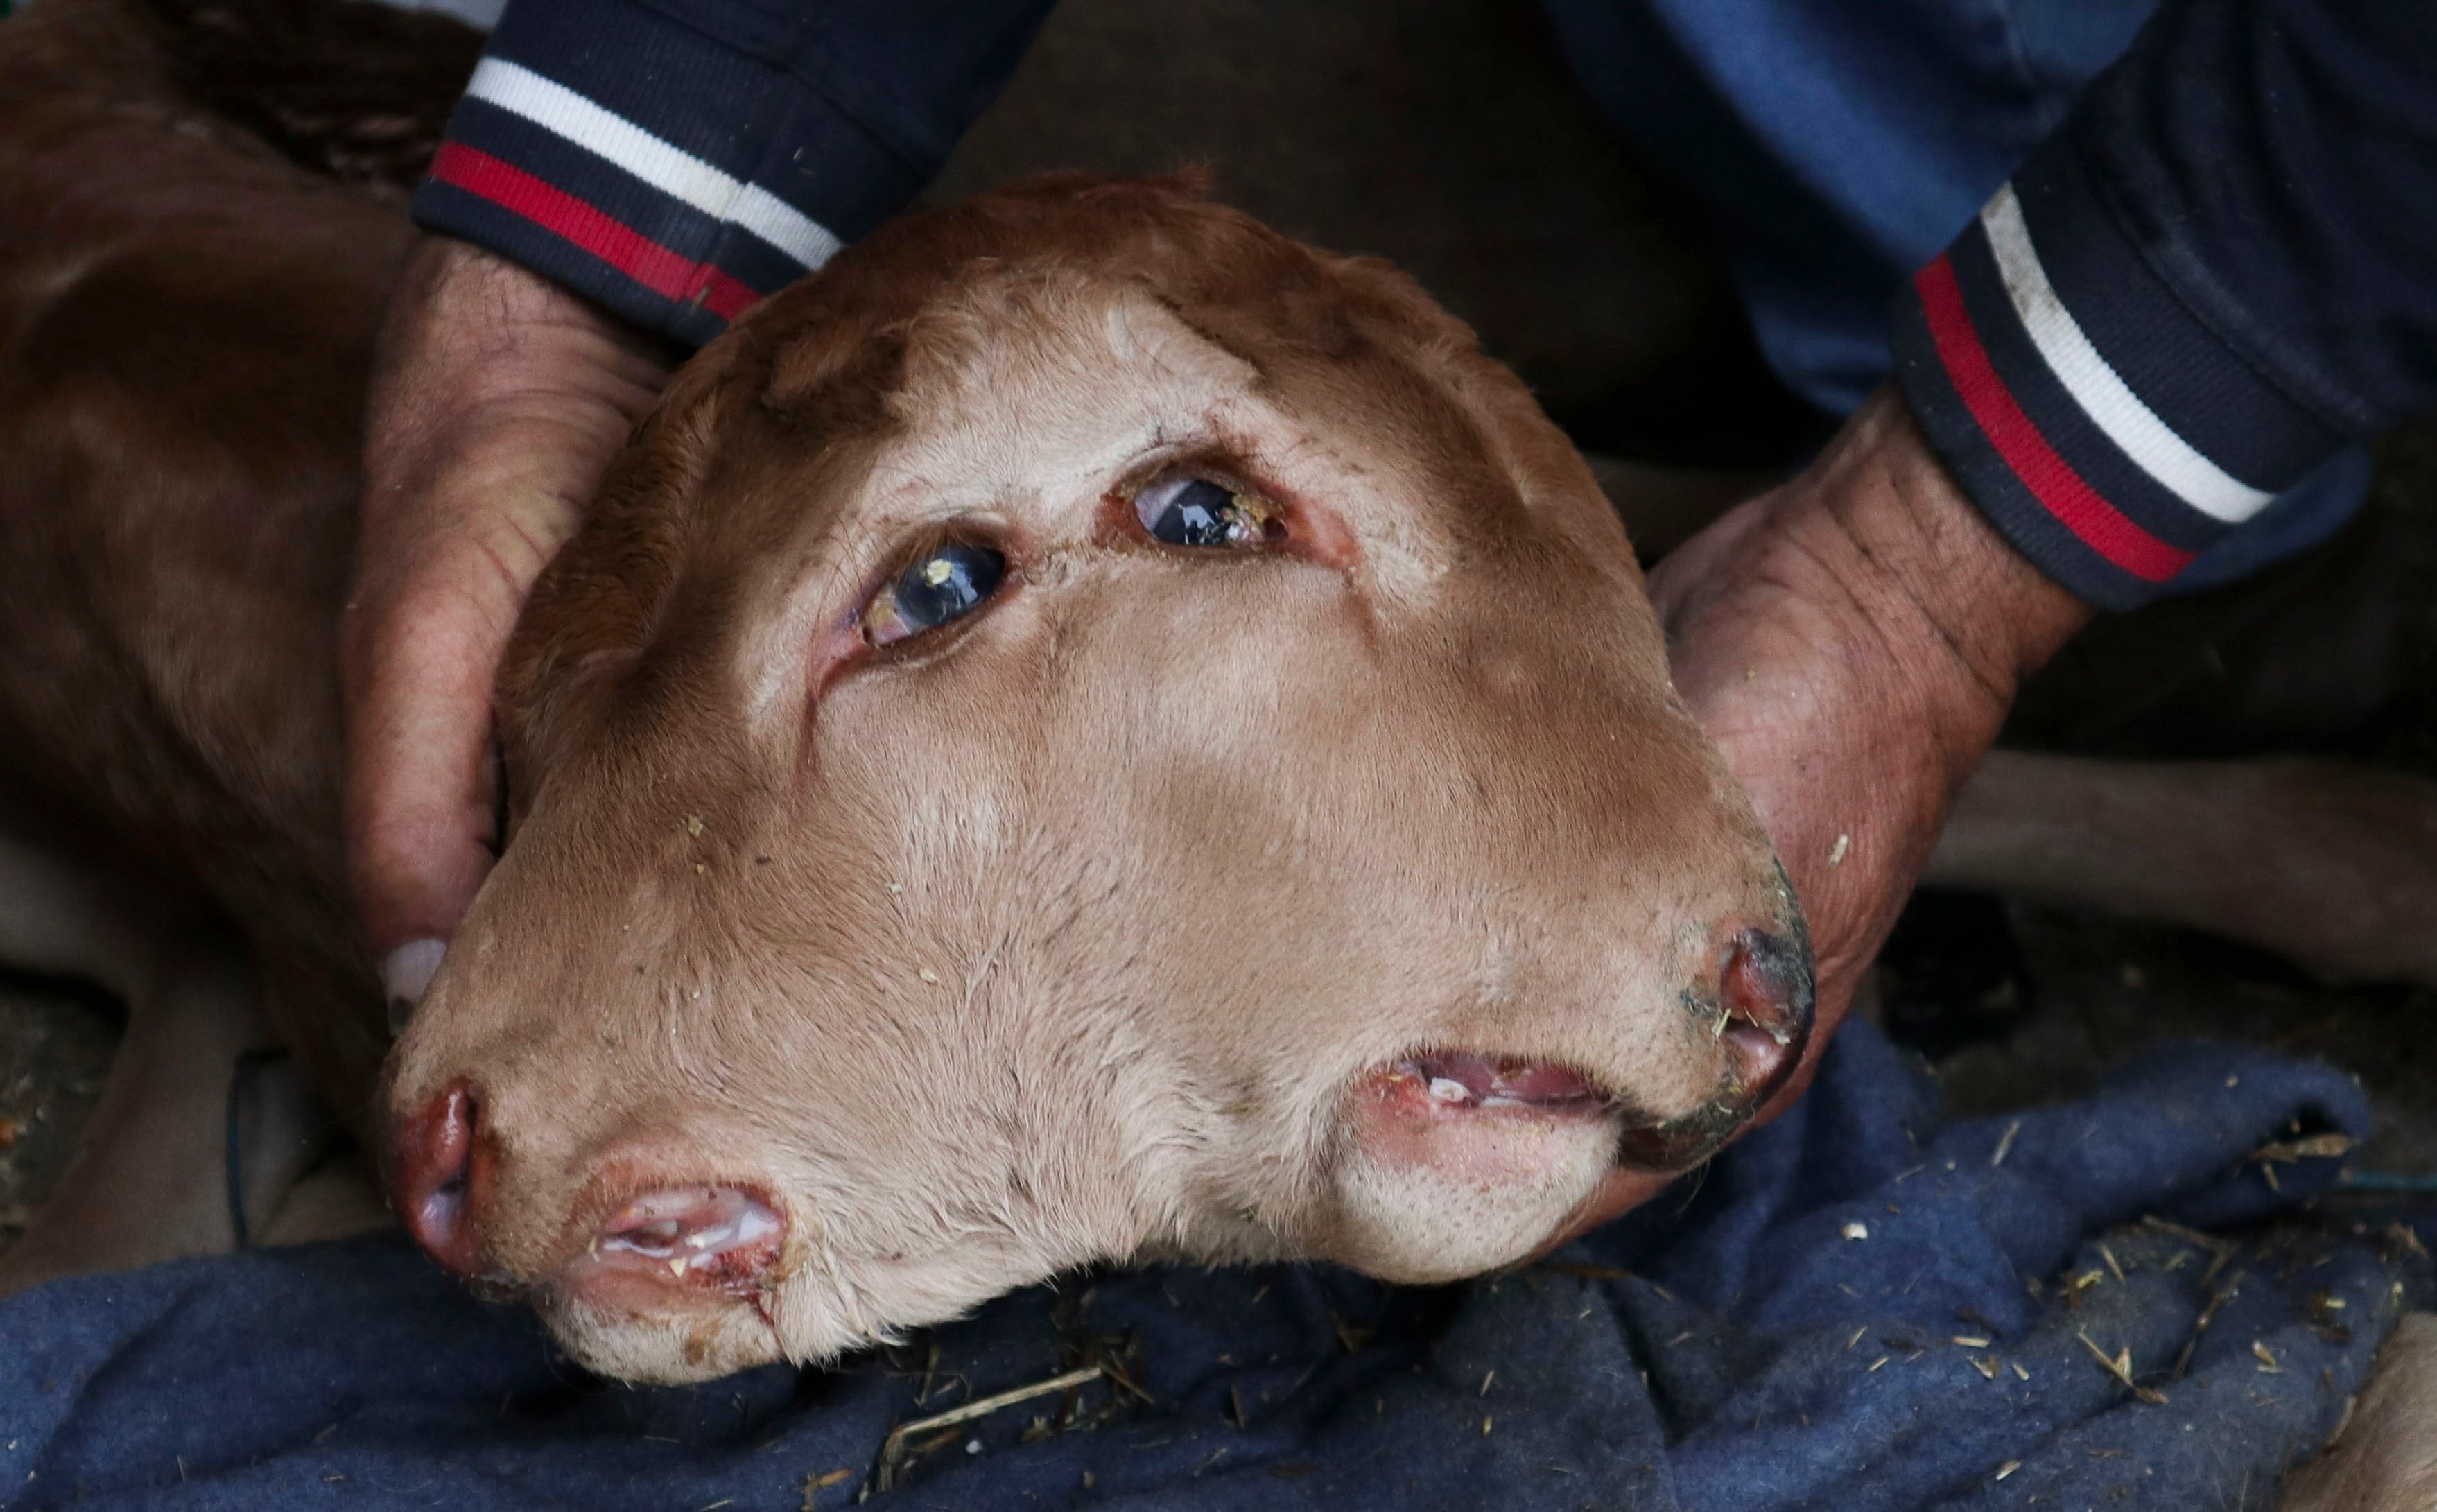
<point x="1065" y="936"/>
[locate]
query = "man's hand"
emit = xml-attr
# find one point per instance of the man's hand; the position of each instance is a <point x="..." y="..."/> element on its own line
<point x="1852" y="640"/>
<point x="496" y="400"/>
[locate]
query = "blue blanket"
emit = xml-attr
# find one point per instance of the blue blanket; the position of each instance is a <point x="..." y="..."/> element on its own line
<point x="2107" y="1303"/>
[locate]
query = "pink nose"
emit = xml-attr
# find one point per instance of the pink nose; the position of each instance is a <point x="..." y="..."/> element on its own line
<point x="1765" y="994"/>
<point x="432" y="1161"/>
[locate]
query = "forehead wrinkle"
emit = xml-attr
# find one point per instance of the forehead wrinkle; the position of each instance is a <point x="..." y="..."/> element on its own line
<point x="772" y="662"/>
<point x="1038" y="356"/>
<point x="1026" y="391"/>
<point x="1407" y="549"/>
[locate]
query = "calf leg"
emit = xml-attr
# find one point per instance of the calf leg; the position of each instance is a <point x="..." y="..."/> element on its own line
<point x="2330" y="864"/>
<point x="150" y="1180"/>
<point x="338" y="1198"/>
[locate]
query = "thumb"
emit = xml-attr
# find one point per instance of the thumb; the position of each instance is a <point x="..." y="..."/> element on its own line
<point x="422" y="783"/>
<point x="496" y="400"/>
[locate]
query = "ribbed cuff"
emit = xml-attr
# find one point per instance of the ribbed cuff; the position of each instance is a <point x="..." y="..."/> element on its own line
<point x="669" y="176"/>
<point x="2099" y="422"/>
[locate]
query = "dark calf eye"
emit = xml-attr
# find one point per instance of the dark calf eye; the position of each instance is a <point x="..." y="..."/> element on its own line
<point x="1186" y="511"/>
<point x="946" y="583"/>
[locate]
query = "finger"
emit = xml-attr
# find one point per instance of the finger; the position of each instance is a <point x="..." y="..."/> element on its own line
<point x="497" y="401"/>
<point x="422" y="786"/>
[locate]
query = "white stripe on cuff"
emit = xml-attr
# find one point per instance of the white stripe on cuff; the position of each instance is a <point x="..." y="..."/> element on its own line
<point x="665" y="167"/>
<point x="2153" y="446"/>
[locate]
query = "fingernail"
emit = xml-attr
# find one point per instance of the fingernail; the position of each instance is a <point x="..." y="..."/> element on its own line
<point x="406" y="975"/>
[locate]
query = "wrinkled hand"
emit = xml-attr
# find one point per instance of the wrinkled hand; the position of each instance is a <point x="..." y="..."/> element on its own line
<point x="496" y="400"/>
<point x="1852" y="640"/>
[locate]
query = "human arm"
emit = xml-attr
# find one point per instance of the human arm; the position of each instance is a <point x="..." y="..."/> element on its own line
<point x="2221" y="268"/>
<point x="1852" y="642"/>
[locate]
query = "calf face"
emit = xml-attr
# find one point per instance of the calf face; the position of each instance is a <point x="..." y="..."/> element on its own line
<point x="1085" y="731"/>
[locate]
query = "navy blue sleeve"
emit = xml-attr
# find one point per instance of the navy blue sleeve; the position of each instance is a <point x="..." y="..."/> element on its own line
<point x="2219" y="270"/>
<point x="676" y="161"/>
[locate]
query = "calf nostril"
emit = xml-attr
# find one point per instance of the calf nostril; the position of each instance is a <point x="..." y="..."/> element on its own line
<point x="1764" y="1008"/>
<point x="433" y="1162"/>
<point x="1764" y="998"/>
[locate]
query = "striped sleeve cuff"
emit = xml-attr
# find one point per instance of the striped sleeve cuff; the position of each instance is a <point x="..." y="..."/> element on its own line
<point x="663" y="175"/>
<point x="2099" y="424"/>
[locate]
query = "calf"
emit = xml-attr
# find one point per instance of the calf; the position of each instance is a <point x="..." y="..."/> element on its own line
<point x="1085" y="729"/>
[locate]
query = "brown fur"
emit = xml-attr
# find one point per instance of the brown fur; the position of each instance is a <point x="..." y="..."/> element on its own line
<point x="357" y="92"/>
<point x="185" y="318"/>
<point x="1249" y="828"/>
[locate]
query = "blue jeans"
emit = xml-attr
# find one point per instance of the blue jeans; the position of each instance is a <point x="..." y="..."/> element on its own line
<point x="1841" y="144"/>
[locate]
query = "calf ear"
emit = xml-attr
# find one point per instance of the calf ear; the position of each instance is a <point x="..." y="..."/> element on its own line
<point x="598" y="603"/>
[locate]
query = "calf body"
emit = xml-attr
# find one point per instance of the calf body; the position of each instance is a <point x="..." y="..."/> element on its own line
<point x="1346" y="882"/>
<point x="186" y="320"/>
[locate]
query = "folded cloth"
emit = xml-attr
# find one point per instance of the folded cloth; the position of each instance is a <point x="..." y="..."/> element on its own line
<point x="2124" y="1300"/>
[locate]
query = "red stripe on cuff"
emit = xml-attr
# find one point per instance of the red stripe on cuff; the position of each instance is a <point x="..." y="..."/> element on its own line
<point x="611" y="240"/>
<point x="2100" y="525"/>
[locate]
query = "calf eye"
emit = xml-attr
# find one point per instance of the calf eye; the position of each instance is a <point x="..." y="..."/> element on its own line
<point x="1186" y="511"/>
<point x="945" y="583"/>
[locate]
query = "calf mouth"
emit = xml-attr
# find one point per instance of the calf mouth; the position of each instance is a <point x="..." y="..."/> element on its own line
<point x="658" y="1248"/>
<point x="645" y="1247"/>
<point x="1447" y="1089"/>
<point x="1761" y="1014"/>
<point x="1459" y="1083"/>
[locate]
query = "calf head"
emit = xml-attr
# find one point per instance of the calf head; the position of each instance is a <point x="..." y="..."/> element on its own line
<point x="1085" y="731"/>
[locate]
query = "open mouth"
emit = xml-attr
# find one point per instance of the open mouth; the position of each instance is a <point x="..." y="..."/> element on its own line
<point x="671" y="1243"/>
<point x="1458" y="1080"/>
<point x="1445" y="1089"/>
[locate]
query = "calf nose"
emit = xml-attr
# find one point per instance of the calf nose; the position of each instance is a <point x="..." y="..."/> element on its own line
<point x="1764" y="1000"/>
<point x="432" y="1170"/>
